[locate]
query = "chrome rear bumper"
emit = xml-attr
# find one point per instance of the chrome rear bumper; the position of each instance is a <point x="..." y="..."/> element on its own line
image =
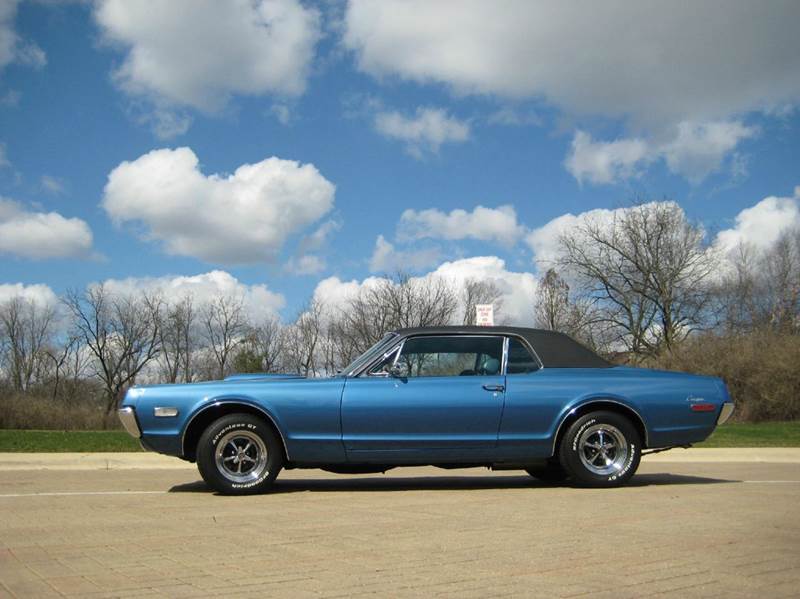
<point x="127" y="416"/>
<point x="725" y="413"/>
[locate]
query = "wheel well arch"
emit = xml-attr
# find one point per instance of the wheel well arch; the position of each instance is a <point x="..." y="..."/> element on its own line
<point x="609" y="405"/>
<point x="208" y="414"/>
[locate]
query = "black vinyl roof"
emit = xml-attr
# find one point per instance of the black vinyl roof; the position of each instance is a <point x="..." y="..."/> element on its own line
<point x="555" y="350"/>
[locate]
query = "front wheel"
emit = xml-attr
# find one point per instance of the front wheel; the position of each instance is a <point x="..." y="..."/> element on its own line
<point x="601" y="449"/>
<point x="239" y="454"/>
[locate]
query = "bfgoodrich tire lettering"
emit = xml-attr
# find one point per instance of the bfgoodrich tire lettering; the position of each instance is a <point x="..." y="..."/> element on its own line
<point x="239" y="454"/>
<point x="601" y="449"/>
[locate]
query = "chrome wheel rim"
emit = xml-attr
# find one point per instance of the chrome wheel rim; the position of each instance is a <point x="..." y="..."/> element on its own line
<point x="603" y="449"/>
<point x="241" y="456"/>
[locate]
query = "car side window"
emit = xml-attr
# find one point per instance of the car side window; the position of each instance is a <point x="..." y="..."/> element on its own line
<point x="452" y="356"/>
<point x="520" y="359"/>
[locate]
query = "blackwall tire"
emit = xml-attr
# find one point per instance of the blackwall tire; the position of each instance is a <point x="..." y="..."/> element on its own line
<point x="551" y="472"/>
<point x="239" y="454"/>
<point x="601" y="449"/>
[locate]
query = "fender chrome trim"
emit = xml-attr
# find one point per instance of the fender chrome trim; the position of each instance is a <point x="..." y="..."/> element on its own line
<point x="588" y="403"/>
<point x="234" y="402"/>
<point x="127" y="416"/>
<point x="725" y="412"/>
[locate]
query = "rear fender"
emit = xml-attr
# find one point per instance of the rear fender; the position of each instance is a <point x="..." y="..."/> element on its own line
<point x="606" y="401"/>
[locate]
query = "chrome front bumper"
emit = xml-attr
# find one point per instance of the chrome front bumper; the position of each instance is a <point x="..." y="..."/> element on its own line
<point x="725" y="413"/>
<point x="127" y="416"/>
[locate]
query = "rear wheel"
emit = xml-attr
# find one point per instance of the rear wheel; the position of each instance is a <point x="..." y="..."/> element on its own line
<point x="601" y="449"/>
<point x="239" y="454"/>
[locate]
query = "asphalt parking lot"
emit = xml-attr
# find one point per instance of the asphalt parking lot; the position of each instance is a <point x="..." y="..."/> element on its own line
<point x="681" y="529"/>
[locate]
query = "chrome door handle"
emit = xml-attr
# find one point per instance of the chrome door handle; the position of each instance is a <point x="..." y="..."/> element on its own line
<point x="495" y="388"/>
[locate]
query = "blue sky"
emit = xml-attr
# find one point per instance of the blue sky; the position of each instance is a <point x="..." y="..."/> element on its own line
<point x="384" y="118"/>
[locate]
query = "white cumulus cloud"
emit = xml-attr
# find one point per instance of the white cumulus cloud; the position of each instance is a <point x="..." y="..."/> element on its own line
<point x="258" y="300"/>
<point x="694" y="151"/>
<point x="244" y="217"/>
<point x="762" y="224"/>
<point x="320" y="237"/>
<point x="649" y="61"/>
<point x="41" y="295"/>
<point x="518" y="289"/>
<point x="604" y="161"/>
<point x="12" y="47"/>
<point x="307" y="264"/>
<point x="698" y="149"/>
<point x="486" y="224"/>
<point x="41" y="235"/>
<point x="198" y="53"/>
<point x="386" y="258"/>
<point x="424" y="131"/>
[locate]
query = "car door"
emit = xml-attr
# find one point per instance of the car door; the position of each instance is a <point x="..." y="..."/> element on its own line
<point x="534" y="399"/>
<point x="444" y="401"/>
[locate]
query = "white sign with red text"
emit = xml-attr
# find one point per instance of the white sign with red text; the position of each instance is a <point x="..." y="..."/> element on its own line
<point x="484" y="315"/>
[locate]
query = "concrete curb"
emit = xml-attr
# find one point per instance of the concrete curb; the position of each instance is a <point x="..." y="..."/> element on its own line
<point x="91" y="461"/>
<point x="775" y="455"/>
<point x="152" y="461"/>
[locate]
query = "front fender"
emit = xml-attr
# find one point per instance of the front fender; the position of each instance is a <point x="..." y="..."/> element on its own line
<point x="305" y="413"/>
<point x="211" y="403"/>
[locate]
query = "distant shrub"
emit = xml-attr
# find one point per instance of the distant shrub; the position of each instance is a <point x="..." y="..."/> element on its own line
<point x="29" y="411"/>
<point x="761" y="369"/>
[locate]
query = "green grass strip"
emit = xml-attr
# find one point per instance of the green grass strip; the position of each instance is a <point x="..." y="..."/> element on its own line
<point x="70" y="441"/>
<point x="763" y="434"/>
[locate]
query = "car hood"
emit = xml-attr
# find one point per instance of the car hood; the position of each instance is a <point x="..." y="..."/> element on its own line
<point x="230" y="381"/>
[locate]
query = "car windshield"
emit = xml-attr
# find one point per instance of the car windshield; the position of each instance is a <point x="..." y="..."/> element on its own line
<point x="368" y="355"/>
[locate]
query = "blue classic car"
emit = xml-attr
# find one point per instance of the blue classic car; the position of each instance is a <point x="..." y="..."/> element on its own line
<point x="500" y="397"/>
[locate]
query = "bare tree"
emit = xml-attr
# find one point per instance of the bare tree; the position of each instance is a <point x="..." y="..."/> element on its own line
<point x="120" y="332"/>
<point x="650" y="268"/>
<point x="304" y="338"/>
<point x="261" y="349"/>
<point x="60" y="357"/>
<point x="331" y="349"/>
<point x="552" y="309"/>
<point x="737" y="291"/>
<point x="605" y="280"/>
<point x="177" y="337"/>
<point x="224" y="327"/>
<point x="556" y="309"/>
<point x="476" y="292"/>
<point x="421" y="302"/>
<point x="781" y="272"/>
<point x="69" y="362"/>
<point x="27" y="329"/>
<point x="762" y="287"/>
<point x="76" y="369"/>
<point x="390" y="304"/>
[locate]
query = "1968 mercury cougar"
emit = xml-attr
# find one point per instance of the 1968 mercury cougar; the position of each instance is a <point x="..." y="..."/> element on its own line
<point x="500" y="397"/>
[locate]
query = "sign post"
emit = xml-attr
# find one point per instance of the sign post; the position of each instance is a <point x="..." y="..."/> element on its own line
<point x="484" y="315"/>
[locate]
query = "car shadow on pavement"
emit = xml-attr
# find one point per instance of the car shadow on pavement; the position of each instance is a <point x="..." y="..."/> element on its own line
<point x="665" y="478"/>
<point x="444" y="483"/>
